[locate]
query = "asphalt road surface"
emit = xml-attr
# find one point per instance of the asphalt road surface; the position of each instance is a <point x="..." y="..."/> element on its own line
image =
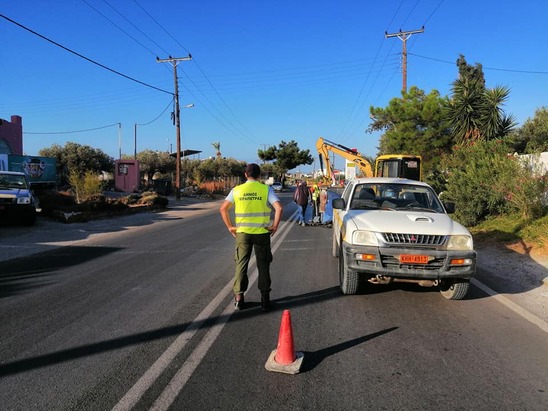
<point x="136" y="313"/>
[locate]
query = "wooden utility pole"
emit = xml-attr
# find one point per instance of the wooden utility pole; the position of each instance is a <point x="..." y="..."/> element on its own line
<point x="177" y="118"/>
<point x="403" y="36"/>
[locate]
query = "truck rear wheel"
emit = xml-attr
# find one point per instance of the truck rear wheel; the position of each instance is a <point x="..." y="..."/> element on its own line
<point x="454" y="289"/>
<point x="349" y="279"/>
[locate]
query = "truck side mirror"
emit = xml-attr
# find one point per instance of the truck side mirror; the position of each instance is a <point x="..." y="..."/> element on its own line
<point x="339" y="204"/>
<point x="449" y="207"/>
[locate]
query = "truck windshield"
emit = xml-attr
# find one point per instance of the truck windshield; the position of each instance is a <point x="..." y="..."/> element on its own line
<point x="12" y="181"/>
<point x="395" y="197"/>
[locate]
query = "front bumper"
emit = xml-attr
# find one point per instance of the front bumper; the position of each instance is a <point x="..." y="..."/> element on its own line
<point x="18" y="211"/>
<point x="386" y="262"/>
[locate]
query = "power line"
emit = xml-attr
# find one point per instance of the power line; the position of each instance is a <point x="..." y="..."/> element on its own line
<point x="118" y="27"/>
<point x="483" y="67"/>
<point x="160" y="115"/>
<point x="84" y="57"/>
<point x="206" y="77"/>
<point x="72" y="132"/>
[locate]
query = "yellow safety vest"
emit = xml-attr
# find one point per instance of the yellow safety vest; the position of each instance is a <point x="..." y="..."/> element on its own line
<point x="252" y="212"/>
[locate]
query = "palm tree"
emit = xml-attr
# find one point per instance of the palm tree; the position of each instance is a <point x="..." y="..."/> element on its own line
<point x="217" y="147"/>
<point x="475" y="113"/>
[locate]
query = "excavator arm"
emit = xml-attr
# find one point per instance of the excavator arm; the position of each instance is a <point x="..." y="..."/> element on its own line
<point x="325" y="146"/>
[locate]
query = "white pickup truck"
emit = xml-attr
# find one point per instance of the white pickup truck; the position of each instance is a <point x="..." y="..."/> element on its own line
<point x="396" y="230"/>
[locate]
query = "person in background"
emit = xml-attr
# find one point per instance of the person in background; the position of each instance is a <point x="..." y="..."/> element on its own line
<point x="252" y="229"/>
<point x="323" y="203"/>
<point x="315" y="195"/>
<point x="300" y="197"/>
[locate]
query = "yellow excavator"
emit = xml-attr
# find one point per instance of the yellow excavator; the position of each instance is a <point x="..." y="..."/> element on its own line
<point x="388" y="165"/>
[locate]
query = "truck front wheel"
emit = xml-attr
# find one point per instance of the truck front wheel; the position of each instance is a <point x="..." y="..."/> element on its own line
<point x="454" y="289"/>
<point x="348" y="278"/>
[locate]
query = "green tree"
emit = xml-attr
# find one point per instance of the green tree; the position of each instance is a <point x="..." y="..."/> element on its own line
<point x="219" y="168"/>
<point x="473" y="111"/>
<point x="413" y="124"/>
<point x="285" y="157"/>
<point x="532" y="137"/>
<point x="74" y="157"/>
<point x="151" y="162"/>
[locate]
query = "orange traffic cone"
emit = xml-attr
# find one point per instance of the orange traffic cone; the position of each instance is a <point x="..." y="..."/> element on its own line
<point x="284" y="358"/>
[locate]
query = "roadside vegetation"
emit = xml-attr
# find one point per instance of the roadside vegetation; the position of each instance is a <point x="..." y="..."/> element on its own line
<point x="473" y="154"/>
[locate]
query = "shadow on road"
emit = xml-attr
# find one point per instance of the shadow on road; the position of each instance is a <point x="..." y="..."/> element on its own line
<point x="24" y="274"/>
<point x="313" y="358"/>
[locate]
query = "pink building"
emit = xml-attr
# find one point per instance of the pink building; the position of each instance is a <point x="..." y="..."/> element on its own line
<point x="11" y="136"/>
<point x="127" y="176"/>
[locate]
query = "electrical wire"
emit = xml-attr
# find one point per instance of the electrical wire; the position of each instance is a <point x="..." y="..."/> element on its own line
<point x="150" y="122"/>
<point x="84" y="57"/>
<point x="484" y="67"/>
<point x="74" y="131"/>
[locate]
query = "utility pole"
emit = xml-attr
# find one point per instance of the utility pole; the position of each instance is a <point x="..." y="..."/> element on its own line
<point x="135" y="142"/>
<point x="177" y="118"/>
<point x="403" y="36"/>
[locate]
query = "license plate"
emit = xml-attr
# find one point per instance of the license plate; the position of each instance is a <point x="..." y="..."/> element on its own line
<point x="413" y="259"/>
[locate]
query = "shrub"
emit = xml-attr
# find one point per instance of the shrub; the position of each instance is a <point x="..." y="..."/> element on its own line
<point x="485" y="181"/>
<point x="85" y="186"/>
<point x="54" y="200"/>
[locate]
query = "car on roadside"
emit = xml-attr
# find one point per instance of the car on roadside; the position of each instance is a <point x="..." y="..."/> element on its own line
<point x="277" y="186"/>
<point x="389" y="230"/>
<point x="16" y="198"/>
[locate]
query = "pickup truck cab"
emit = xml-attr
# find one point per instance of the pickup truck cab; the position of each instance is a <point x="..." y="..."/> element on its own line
<point x="388" y="230"/>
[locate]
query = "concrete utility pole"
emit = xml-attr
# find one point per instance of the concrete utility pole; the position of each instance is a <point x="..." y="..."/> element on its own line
<point x="403" y="36"/>
<point x="177" y="118"/>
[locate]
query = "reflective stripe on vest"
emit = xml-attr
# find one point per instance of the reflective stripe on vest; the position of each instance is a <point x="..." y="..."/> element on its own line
<point x="252" y="212"/>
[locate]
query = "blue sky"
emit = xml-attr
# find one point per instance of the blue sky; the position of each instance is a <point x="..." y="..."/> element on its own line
<point x="261" y="71"/>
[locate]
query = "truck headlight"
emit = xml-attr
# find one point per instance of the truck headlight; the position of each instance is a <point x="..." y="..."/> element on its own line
<point x="460" y="243"/>
<point x="364" y="238"/>
<point x="23" y="200"/>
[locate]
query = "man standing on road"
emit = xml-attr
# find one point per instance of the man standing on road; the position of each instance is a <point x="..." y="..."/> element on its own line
<point x="252" y="230"/>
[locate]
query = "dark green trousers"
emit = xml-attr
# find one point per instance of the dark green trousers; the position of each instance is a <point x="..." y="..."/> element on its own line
<point x="245" y="243"/>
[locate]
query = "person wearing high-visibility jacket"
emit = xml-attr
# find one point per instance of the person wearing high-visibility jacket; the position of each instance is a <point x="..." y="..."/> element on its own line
<point x="252" y="202"/>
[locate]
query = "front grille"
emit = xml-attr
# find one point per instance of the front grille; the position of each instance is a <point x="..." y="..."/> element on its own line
<point x="8" y="200"/>
<point x="414" y="239"/>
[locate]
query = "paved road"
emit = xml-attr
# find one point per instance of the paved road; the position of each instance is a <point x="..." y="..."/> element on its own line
<point x="142" y="318"/>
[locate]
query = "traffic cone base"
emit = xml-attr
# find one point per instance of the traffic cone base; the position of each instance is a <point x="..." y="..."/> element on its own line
<point x="293" y="368"/>
<point x="283" y="358"/>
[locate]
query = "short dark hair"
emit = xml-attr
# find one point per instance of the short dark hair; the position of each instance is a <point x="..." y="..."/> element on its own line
<point x="253" y="170"/>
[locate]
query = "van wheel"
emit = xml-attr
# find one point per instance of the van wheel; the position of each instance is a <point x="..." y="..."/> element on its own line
<point x="454" y="289"/>
<point x="348" y="278"/>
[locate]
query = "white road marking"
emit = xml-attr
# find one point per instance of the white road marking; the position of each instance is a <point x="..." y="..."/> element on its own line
<point x="511" y="305"/>
<point x="178" y="382"/>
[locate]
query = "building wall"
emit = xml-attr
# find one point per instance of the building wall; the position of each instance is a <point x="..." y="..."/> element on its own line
<point x="11" y="136"/>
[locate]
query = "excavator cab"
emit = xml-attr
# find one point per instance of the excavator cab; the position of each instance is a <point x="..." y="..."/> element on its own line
<point x="399" y="166"/>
